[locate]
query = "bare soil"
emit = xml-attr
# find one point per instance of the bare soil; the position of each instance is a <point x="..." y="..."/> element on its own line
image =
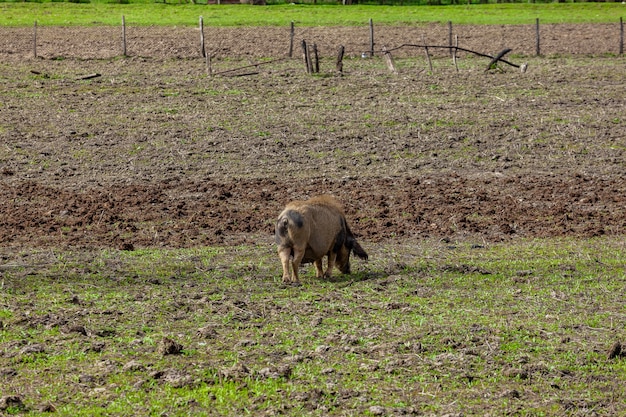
<point x="152" y="152"/>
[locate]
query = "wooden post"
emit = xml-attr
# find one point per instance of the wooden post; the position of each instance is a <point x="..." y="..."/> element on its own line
<point x="430" y="63"/>
<point x="454" y="51"/>
<point x="202" y="49"/>
<point x="316" y="68"/>
<point x="339" y="63"/>
<point x="307" y="57"/>
<point x="621" y="36"/>
<point x="291" y="36"/>
<point x="123" y="36"/>
<point x="537" y="48"/>
<point x="371" y="38"/>
<point x="450" y="37"/>
<point x="35" y="40"/>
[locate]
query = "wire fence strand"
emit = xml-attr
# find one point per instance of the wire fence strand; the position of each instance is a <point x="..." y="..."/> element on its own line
<point x="222" y="43"/>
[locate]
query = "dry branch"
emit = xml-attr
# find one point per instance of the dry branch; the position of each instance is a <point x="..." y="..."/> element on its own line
<point x="458" y="48"/>
<point x="495" y="59"/>
<point x="88" y="77"/>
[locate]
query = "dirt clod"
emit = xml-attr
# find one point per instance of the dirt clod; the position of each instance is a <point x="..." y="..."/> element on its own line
<point x="207" y="332"/>
<point x="615" y="350"/>
<point x="515" y="373"/>
<point x="32" y="349"/>
<point x="377" y="410"/>
<point x="11" y="401"/>
<point x="168" y="346"/>
<point x="134" y="366"/>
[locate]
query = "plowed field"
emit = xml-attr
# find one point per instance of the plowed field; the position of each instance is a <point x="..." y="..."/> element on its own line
<point x="153" y="152"/>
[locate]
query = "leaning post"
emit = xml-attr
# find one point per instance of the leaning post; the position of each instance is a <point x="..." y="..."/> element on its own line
<point x="202" y="47"/>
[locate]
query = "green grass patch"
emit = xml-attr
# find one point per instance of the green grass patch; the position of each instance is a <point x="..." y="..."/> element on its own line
<point x="425" y="327"/>
<point x="150" y="13"/>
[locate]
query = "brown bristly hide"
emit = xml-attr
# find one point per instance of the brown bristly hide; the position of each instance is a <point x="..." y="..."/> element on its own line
<point x="306" y="231"/>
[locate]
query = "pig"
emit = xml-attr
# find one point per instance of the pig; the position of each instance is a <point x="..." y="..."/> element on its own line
<point x="306" y="231"/>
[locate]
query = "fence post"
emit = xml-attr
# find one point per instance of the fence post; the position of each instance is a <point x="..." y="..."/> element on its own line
<point x="621" y="36"/>
<point x="307" y="57"/>
<point x="339" y="63"/>
<point x="292" y="33"/>
<point x="371" y="38"/>
<point x="35" y="40"/>
<point x="430" y="63"/>
<point x="316" y="66"/>
<point x="123" y="36"/>
<point x="454" y="52"/>
<point x="537" y="48"/>
<point x="202" y="49"/>
<point x="450" y="36"/>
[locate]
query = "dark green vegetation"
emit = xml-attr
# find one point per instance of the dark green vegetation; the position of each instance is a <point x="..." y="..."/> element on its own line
<point x="424" y="329"/>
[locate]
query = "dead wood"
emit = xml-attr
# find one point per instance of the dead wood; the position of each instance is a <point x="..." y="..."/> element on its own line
<point x="458" y="48"/>
<point x="89" y="76"/>
<point x="495" y="59"/>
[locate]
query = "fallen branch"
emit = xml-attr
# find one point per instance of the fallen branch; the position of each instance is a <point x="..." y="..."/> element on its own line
<point x="497" y="58"/>
<point x="244" y="74"/>
<point x="523" y="66"/>
<point x="88" y="77"/>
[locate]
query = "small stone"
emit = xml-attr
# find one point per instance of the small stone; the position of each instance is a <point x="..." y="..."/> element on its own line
<point x="48" y="408"/>
<point x="322" y="349"/>
<point x="377" y="410"/>
<point x="133" y="366"/>
<point x="515" y="373"/>
<point x="207" y="332"/>
<point x="511" y="394"/>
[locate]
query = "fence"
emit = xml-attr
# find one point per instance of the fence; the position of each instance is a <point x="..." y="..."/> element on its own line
<point x="253" y="43"/>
